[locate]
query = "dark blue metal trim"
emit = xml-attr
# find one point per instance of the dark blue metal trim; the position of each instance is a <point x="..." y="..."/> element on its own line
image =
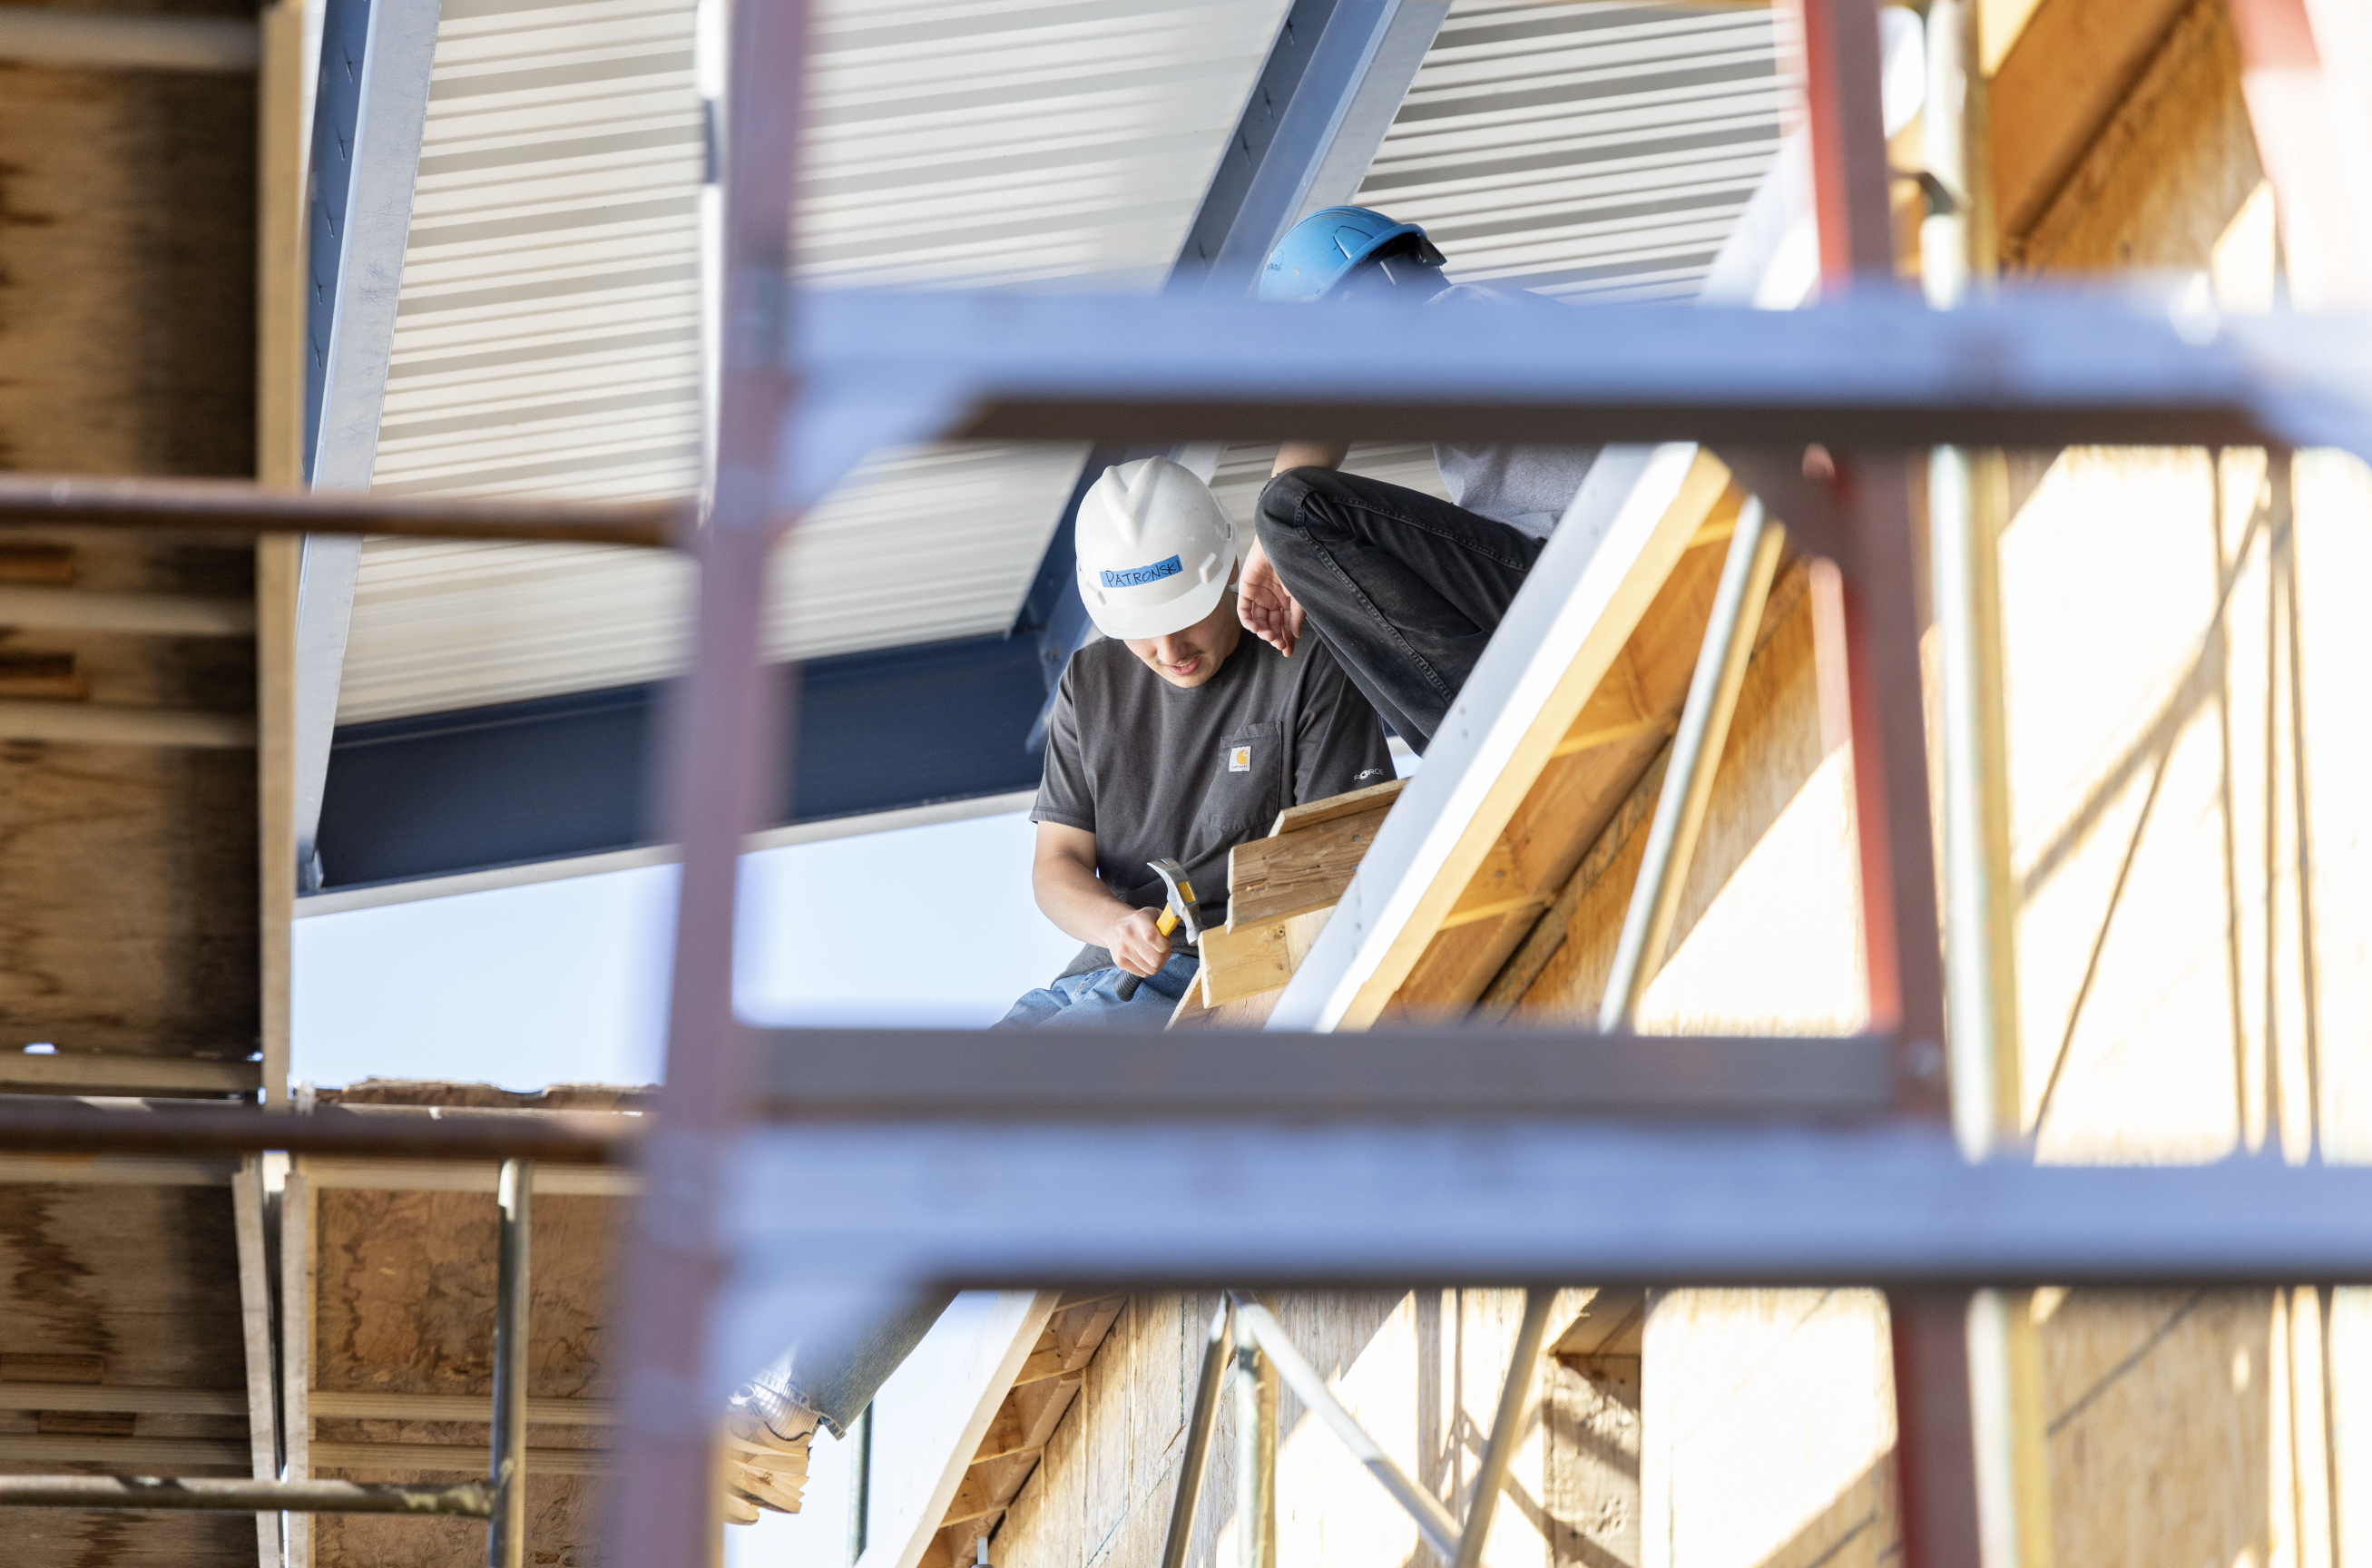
<point x="337" y="112"/>
<point x="562" y="776"/>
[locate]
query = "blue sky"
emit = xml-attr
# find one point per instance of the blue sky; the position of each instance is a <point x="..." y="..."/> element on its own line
<point x="565" y="981"/>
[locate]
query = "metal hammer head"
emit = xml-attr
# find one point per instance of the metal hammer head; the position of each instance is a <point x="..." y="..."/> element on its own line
<point x="1181" y="897"/>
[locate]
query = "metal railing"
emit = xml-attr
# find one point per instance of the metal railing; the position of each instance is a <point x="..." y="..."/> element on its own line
<point x="500" y="1499"/>
<point x="1245" y="1342"/>
<point x="1423" y="1158"/>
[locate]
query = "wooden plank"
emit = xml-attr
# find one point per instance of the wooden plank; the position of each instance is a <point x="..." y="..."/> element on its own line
<point x="299" y="1242"/>
<point x="908" y="1527"/>
<point x="1633" y="522"/>
<point x="1573" y="797"/>
<point x="50" y="1369"/>
<point x="338" y="1174"/>
<point x="1351" y="802"/>
<point x="131" y="874"/>
<point x="2165" y="176"/>
<point x="365" y="1405"/>
<point x="94" y="1396"/>
<point x="1300" y="870"/>
<point x="255" y="1323"/>
<point x="1614" y="1323"/>
<point x="125" y="1456"/>
<point x="2056" y="87"/>
<point x="111" y="1170"/>
<point x="1548" y="933"/>
<point x="88" y="1072"/>
<point x="276" y="564"/>
<point x="97" y="725"/>
<point x="1240" y="964"/>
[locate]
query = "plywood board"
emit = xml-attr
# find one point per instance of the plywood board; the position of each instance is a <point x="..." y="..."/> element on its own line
<point x="403" y="1304"/>
<point x="137" y="1286"/>
<point x="1633" y="518"/>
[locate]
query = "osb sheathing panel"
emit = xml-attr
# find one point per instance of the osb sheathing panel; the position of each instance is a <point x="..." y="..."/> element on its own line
<point x="129" y="925"/>
<point x="1420" y="1371"/>
<point x="2166" y="175"/>
<point x="2161" y="955"/>
<point x="1769" y="1420"/>
<point x="127" y="271"/>
<point x="127" y="323"/>
<point x="146" y="1278"/>
<point x="405" y="1304"/>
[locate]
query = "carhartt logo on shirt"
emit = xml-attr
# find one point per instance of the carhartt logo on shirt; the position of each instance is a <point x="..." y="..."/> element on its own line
<point x="1240" y="761"/>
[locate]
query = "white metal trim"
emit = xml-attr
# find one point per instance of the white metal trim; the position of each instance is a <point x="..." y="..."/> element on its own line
<point x="532" y="872"/>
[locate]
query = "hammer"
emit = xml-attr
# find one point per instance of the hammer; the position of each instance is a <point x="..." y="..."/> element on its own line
<point x="1179" y="911"/>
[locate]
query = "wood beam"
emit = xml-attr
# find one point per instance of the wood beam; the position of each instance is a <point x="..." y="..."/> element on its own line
<point x="2056" y="88"/>
<point x="1566" y="631"/>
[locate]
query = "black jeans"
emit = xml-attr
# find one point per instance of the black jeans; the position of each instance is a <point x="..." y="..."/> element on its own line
<point x="1404" y="590"/>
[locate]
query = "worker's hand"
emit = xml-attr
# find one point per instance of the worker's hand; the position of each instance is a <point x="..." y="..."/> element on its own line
<point x="1267" y="611"/>
<point x="1136" y="944"/>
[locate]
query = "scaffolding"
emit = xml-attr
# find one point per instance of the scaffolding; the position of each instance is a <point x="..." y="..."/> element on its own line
<point x="1447" y="1155"/>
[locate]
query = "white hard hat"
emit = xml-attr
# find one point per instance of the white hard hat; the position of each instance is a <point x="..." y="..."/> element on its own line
<point x="1155" y="548"/>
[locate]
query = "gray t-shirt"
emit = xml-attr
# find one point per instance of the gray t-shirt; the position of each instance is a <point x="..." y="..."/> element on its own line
<point x="1154" y="770"/>
<point x="1528" y="488"/>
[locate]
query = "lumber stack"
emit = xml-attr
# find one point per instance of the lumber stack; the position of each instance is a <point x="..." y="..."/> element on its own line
<point x="1280" y="892"/>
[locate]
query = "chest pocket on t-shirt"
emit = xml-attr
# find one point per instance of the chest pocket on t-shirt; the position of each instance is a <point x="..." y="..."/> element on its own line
<point x="1247" y="787"/>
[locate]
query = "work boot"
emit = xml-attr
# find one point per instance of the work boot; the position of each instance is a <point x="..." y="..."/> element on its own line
<point x="767" y="1434"/>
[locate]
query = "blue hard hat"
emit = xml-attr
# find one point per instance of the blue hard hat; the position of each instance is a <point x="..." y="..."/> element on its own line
<point x="1325" y="248"/>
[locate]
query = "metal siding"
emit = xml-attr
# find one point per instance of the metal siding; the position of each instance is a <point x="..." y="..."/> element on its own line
<point x="1599" y="149"/>
<point x="549" y="337"/>
<point x="1596" y="150"/>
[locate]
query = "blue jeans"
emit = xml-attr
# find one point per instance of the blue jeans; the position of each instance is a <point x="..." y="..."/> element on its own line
<point x="837" y="1379"/>
<point x="1090" y="1001"/>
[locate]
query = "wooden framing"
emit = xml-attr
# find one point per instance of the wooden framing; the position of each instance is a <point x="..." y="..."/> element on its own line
<point x="1025" y="1421"/>
<point x="298" y="1228"/>
<point x="262" y="1410"/>
<point x="1559" y="719"/>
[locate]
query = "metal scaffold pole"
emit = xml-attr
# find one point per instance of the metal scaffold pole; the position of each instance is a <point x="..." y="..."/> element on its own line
<point x="506" y="1535"/>
<point x="1966" y="500"/>
<point x="1255" y="1380"/>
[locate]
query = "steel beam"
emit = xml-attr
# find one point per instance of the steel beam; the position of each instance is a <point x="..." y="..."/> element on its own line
<point x="1876" y="370"/>
<point x="1400" y="1201"/>
<point x="721" y="753"/>
<point x="370" y="114"/>
<point x="890" y="1077"/>
<point x="551" y="778"/>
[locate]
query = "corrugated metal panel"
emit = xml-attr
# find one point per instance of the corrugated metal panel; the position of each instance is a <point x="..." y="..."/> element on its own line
<point x="1601" y="150"/>
<point x="549" y="340"/>
<point x="1598" y="150"/>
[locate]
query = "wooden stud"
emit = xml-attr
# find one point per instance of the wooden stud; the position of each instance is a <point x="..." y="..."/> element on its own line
<point x="255" y="1329"/>
<point x="1242" y="963"/>
<point x="1300" y="870"/>
<point x="1351" y="802"/>
<point x="297" y="1229"/>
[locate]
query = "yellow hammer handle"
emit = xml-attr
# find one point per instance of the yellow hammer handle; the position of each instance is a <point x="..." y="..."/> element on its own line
<point x="1168" y="921"/>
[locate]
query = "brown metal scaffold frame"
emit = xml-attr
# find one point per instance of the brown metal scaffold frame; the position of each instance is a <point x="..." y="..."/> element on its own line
<point x="778" y="444"/>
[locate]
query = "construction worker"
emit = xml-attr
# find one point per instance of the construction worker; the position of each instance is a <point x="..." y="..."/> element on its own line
<point x="1177" y="737"/>
<point x="1403" y="588"/>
